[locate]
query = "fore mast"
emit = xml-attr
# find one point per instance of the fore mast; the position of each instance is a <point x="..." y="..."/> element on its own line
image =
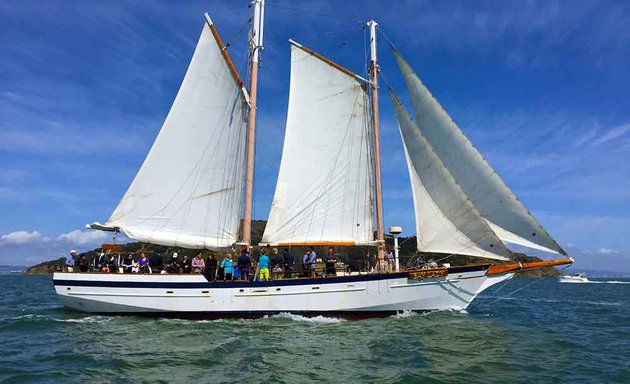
<point x="256" y="42"/>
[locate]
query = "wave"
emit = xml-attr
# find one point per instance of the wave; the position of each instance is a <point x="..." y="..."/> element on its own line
<point x="316" y="320"/>
<point x="604" y="303"/>
<point x="87" y="319"/>
<point x="606" y="282"/>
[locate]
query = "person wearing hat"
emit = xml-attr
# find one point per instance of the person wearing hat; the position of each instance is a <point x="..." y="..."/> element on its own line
<point x="71" y="261"/>
<point x="263" y="266"/>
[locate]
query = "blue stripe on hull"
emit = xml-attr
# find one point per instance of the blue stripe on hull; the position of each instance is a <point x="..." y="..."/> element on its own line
<point x="251" y="284"/>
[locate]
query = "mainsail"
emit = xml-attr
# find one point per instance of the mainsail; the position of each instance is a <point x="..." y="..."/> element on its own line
<point x="446" y="220"/>
<point x="189" y="189"/>
<point x="491" y="197"/>
<point x="324" y="189"/>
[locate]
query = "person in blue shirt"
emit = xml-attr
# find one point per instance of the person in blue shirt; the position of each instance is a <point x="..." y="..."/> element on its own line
<point x="263" y="266"/>
<point x="228" y="267"/>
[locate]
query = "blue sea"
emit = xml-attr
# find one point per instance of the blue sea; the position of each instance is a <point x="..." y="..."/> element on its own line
<point x="547" y="332"/>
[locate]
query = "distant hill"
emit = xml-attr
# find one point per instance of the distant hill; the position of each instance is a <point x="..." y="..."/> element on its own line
<point x="362" y="257"/>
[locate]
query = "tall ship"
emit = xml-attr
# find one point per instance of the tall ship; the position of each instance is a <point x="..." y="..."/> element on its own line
<point x="194" y="190"/>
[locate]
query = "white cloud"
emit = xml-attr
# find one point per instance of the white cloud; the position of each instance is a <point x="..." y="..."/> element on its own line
<point x="612" y="134"/>
<point x="607" y="251"/>
<point x="78" y="237"/>
<point x="22" y="237"/>
<point x="28" y="248"/>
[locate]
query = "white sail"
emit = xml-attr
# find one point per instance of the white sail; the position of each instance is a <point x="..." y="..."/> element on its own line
<point x="323" y="193"/>
<point x="484" y="188"/>
<point x="446" y="221"/>
<point x="188" y="191"/>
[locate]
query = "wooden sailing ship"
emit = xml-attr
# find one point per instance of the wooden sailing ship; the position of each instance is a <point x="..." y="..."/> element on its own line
<point x="194" y="199"/>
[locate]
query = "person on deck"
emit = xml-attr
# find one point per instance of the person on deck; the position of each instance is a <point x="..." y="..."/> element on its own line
<point x="156" y="263"/>
<point x="173" y="266"/>
<point x="389" y="259"/>
<point x="308" y="263"/>
<point x="228" y="267"/>
<point x="277" y="262"/>
<point x="380" y="264"/>
<point x="197" y="264"/>
<point x="305" y="258"/>
<point x="84" y="264"/>
<point x="101" y="261"/>
<point x="263" y="266"/>
<point x="244" y="264"/>
<point x="143" y="264"/>
<point x="127" y="264"/>
<point x="211" y="268"/>
<point x="112" y="263"/>
<point x="70" y="261"/>
<point x="331" y="260"/>
<point x="186" y="264"/>
<point x="289" y="263"/>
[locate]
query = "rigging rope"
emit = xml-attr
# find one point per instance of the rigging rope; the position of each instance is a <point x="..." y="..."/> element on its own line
<point x="310" y="12"/>
<point x="521" y="288"/>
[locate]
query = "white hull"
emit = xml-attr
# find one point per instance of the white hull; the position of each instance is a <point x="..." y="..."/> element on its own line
<point x="164" y="295"/>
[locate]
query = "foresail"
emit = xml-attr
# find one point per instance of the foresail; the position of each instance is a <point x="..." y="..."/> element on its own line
<point x="446" y="221"/>
<point x="323" y="193"/>
<point x="188" y="191"/>
<point x="481" y="184"/>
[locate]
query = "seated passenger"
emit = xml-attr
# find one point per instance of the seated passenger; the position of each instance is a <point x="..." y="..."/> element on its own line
<point x="228" y="267"/>
<point x="112" y="263"/>
<point x="84" y="264"/>
<point x="127" y="264"/>
<point x="197" y="264"/>
<point x="143" y="264"/>
<point x="263" y="266"/>
<point x="100" y="262"/>
<point x="276" y="264"/>
<point x="186" y="267"/>
<point x="173" y="266"/>
<point x="156" y="263"/>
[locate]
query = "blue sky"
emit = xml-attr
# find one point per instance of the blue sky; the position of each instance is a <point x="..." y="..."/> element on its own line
<point x="540" y="87"/>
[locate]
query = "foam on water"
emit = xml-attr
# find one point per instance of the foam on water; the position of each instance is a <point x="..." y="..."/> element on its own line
<point x="314" y="320"/>
<point x="607" y="282"/>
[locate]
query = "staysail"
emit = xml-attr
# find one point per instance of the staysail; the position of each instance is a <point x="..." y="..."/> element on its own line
<point x="488" y="193"/>
<point x="189" y="189"/>
<point x="446" y="220"/>
<point x="324" y="190"/>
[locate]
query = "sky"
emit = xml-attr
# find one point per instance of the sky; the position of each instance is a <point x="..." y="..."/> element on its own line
<point x="540" y="87"/>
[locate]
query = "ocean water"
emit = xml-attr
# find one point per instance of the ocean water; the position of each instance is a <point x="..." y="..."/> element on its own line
<point x="548" y="332"/>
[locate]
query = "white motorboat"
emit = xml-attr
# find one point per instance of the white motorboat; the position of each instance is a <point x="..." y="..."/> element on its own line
<point x="575" y="278"/>
<point x="198" y="177"/>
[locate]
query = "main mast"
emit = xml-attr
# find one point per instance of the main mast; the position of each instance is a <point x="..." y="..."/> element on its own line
<point x="380" y="236"/>
<point x="256" y="47"/>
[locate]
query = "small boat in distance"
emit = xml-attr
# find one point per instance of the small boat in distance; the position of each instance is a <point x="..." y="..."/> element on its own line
<point x="575" y="278"/>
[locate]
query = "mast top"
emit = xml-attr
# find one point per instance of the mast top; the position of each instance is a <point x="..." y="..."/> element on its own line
<point x="372" y="24"/>
<point x="257" y="29"/>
